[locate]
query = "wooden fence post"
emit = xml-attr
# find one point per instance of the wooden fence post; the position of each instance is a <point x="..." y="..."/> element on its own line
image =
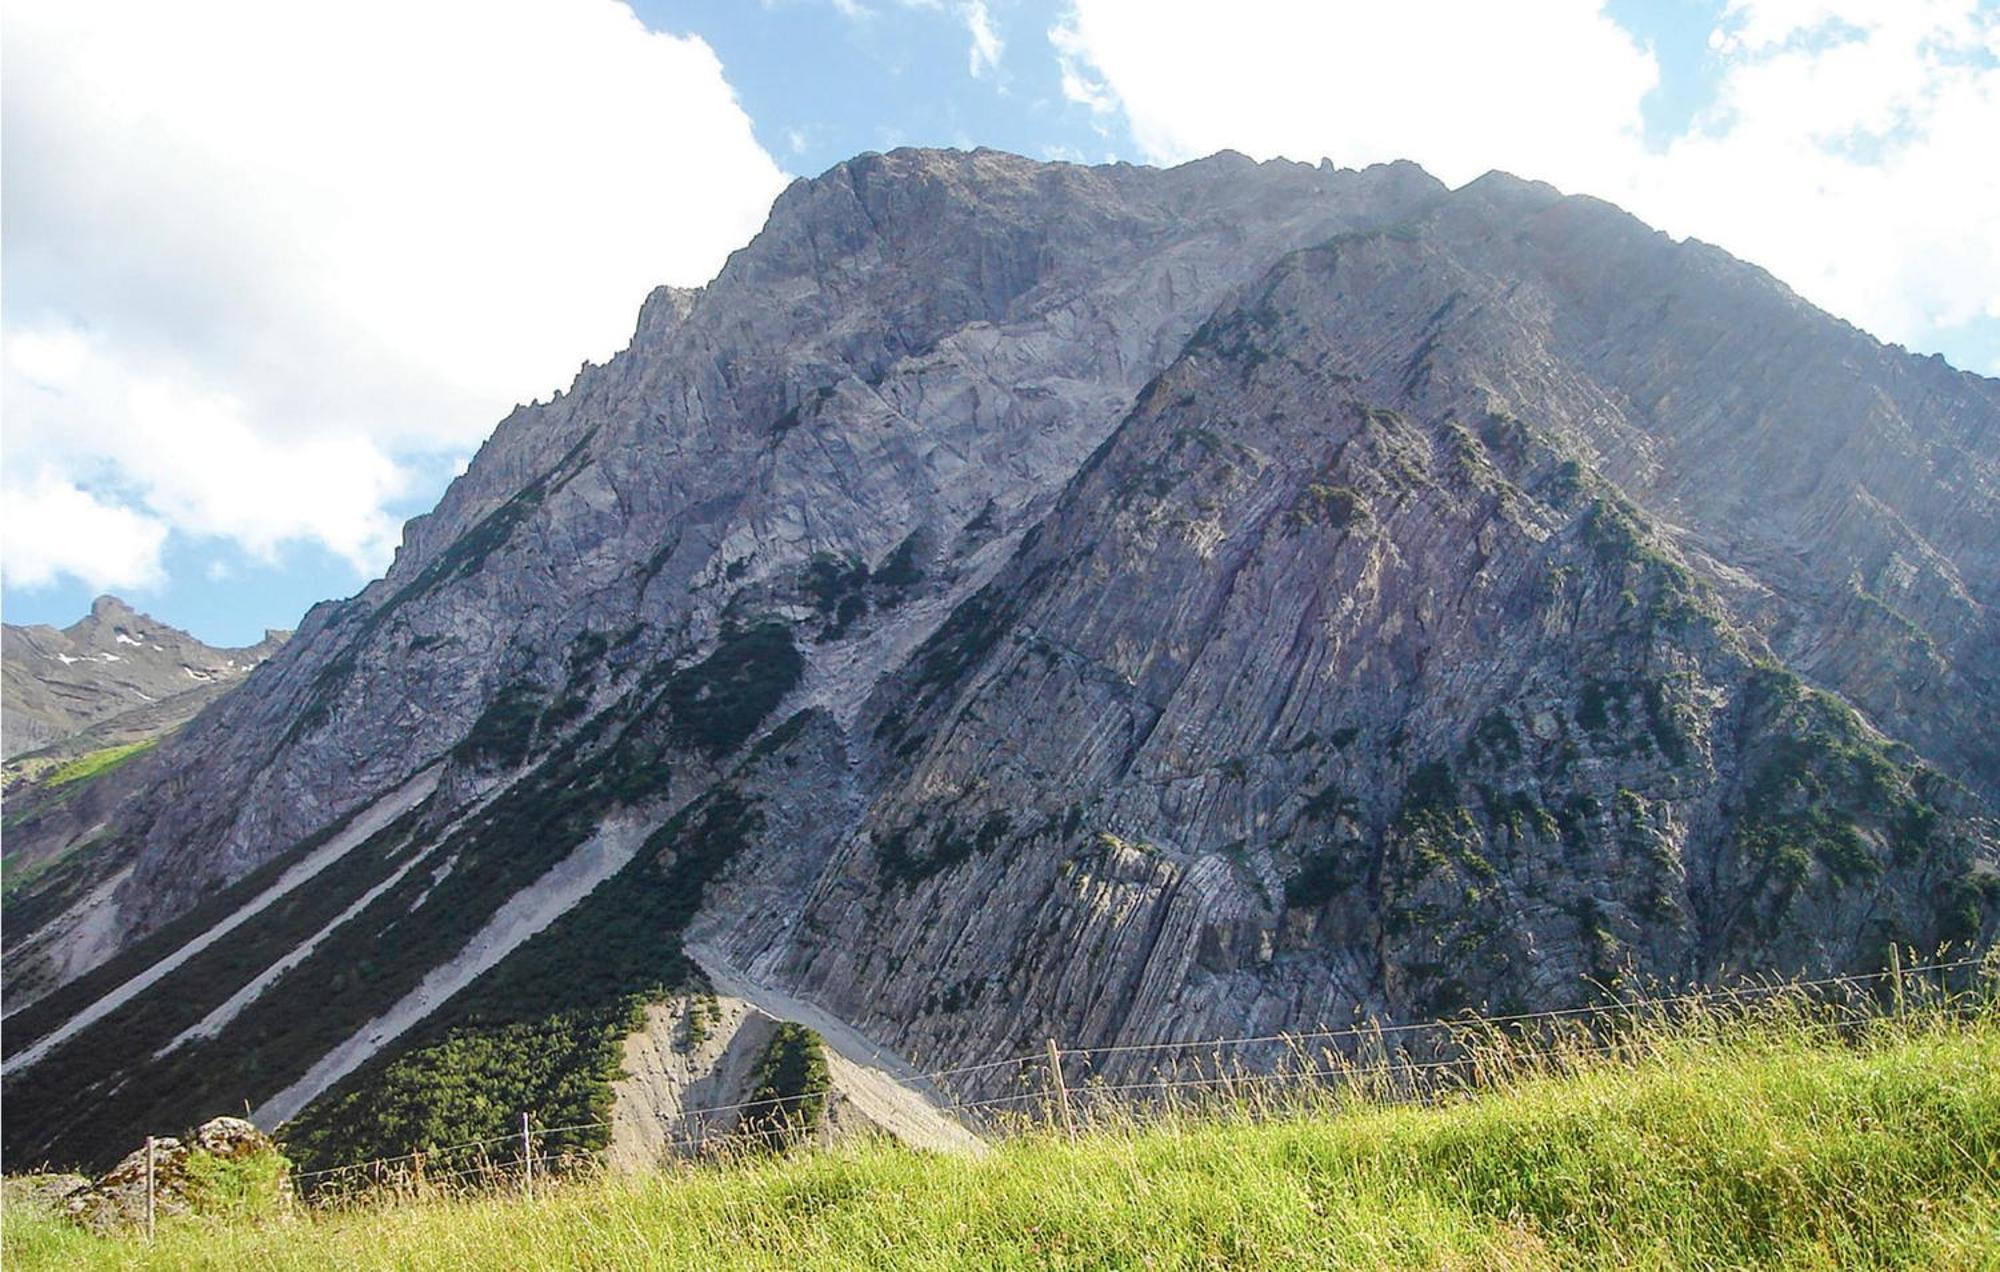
<point x="149" y="1188"/>
<point x="1061" y="1091"/>
<point x="1896" y="978"/>
<point x="527" y="1159"/>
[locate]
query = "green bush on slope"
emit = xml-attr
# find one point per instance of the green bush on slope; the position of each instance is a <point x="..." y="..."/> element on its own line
<point x="788" y="1089"/>
<point x="544" y="1031"/>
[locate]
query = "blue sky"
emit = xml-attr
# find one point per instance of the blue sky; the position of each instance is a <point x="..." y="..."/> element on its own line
<point x="820" y="87"/>
<point x="231" y="375"/>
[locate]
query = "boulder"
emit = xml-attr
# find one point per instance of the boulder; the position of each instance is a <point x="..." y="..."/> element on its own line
<point x="118" y="1197"/>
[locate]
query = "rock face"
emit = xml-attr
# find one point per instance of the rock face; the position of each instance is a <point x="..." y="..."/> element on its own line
<point x="114" y="675"/>
<point x="1019" y="600"/>
<point x="1362" y="668"/>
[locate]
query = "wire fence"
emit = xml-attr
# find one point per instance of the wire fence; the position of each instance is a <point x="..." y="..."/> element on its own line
<point x="1075" y="1087"/>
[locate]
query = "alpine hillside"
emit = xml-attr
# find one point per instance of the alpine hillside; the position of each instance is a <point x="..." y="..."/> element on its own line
<point x="77" y="701"/>
<point x="1019" y="600"/>
<point x="114" y="673"/>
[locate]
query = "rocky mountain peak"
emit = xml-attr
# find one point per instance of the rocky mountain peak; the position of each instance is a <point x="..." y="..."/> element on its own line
<point x="1018" y="600"/>
<point x="114" y="673"/>
<point x="109" y="609"/>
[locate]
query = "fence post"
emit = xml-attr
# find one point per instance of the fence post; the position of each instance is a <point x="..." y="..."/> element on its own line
<point x="149" y="1188"/>
<point x="1896" y="978"/>
<point x="1061" y="1091"/>
<point x="527" y="1159"/>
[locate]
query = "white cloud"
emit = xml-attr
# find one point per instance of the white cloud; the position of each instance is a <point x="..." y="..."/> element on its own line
<point x="1850" y="151"/>
<point x="1458" y="85"/>
<point x="984" y="55"/>
<point x="1849" y="148"/>
<point x="49" y="527"/>
<point x="1078" y="84"/>
<point x="192" y="456"/>
<point x="260" y="256"/>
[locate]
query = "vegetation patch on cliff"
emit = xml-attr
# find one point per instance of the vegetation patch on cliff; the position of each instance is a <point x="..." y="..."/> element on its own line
<point x="1825" y="791"/>
<point x="905" y="866"/>
<point x="788" y="1088"/>
<point x="718" y="702"/>
<point x="96" y="763"/>
<point x="500" y="737"/>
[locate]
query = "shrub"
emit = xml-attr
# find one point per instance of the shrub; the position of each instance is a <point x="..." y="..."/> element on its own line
<point x="719" y="702"/>
<point x="788" y="1089"/>
<point x="505" y="730"/>
<point x="245" y="1186"/>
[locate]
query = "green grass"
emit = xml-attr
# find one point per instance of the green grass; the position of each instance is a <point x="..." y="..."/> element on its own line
<point x="1769" y="1146"/>
<point x="96" y="762"/>
<point x="43" y="784"/>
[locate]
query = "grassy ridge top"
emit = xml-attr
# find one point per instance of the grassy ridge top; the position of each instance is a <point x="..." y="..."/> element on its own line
<point x="1773" y="1148"/>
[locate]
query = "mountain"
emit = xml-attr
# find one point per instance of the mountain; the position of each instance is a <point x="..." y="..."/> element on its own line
<point x="1022" y="600"/>
<point x="116" y="673"/>
<point x="91" y="696"/>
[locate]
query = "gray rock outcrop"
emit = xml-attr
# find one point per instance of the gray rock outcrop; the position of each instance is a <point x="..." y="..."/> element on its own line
<point x="118" y="1198"/>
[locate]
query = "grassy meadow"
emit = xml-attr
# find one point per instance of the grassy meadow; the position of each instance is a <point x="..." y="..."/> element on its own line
<point x="1775" y="1142"/>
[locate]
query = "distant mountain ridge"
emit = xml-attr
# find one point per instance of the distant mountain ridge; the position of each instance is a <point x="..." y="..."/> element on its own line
<point x="116" y="670"/>
<point x="1021" y="600"/>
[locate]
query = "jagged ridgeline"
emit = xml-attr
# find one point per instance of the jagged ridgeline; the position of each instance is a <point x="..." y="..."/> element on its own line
<point x="1022" y="600"/>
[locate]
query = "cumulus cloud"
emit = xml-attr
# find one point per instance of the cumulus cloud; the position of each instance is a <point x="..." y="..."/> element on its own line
<point x="50" y="527"/>
<point x="193" y="457"/>
<point x="1848" y="147"/>
<point x="1459" y="85"/>
<point x="984" y="55"/>
<point x="1850" y="151"/>
<point x="260" y="257"/>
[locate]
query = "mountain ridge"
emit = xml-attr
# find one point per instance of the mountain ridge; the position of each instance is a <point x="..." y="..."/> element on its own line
<point x="1018" y="600"/>
<point x="115" y="644"/>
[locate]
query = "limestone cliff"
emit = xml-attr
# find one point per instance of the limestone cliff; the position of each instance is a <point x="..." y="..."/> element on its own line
<point x="1018" y="600"/>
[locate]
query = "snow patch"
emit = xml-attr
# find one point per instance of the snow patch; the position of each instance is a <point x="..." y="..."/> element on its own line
<point x="123" y="639"/>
